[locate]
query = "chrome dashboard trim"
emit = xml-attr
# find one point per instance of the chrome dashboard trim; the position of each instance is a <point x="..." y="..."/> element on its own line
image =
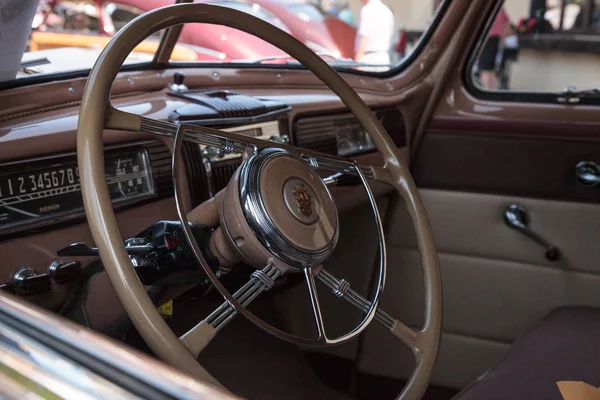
<point x="245" y="144"/>
<point x="268" y="129"/>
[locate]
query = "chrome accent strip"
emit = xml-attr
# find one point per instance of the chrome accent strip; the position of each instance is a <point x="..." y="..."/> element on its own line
<point x="337" y="165"/>
<point x="156" y="127"/>
<point x="316" y="306"/>
<point x="341" y="288"/>
<point x="261" y="281"/>
<point x="37" y="370"/>
<point x="52" y="334"/>
<point x="266" y="280"/>
<point x="229" y="146"/>
<point x="197" y="134"/>
<point x="354" y="298"/>
<point x="219" y="139"/>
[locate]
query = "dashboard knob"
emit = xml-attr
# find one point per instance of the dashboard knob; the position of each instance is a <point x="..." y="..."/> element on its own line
<point x="212" y="153"/>
<point x="64" y="272"/>
<point x="26" y="281"/>
<point x="178" y="78"/>
<point x="178" y="84"/>
<point x="283" y="139"/>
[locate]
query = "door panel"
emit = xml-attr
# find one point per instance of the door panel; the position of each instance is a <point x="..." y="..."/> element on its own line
<point x="497" y="282"/>
<point x="472" y="225"/>
<point x="474" y="157"/>
<point x="506" y="163"/>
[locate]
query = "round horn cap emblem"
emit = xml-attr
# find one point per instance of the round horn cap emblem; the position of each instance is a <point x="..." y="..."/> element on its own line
<point x="299" y="199"/>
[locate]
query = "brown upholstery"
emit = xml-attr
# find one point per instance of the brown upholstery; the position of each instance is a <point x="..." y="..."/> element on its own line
<point x="563" y="346"/>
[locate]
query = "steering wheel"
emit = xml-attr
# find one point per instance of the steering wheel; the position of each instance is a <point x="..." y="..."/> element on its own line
<point x="275" y="214"/>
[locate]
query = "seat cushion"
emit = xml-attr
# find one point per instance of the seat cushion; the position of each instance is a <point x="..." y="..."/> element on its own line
<point x="563" y="346"/>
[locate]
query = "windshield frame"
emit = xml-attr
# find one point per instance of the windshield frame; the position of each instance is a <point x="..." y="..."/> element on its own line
<point x="170" y="36"/>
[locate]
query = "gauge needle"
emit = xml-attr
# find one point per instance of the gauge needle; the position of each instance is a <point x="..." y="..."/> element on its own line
<point x="20" y="211"/>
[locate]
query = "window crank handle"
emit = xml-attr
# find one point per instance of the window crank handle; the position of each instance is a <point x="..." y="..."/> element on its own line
<point x="517" y="217"/>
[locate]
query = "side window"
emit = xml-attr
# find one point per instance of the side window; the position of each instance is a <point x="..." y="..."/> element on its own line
<point x="540" y="46"/>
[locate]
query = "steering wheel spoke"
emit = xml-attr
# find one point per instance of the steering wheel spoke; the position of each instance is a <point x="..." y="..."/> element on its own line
<point x="341" y="288"/>
<point x="197" y="338"/>
<point x="316" y="306"/>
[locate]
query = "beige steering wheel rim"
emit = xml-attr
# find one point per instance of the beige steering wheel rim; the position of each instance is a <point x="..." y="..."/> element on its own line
<point x="96" y="113"/>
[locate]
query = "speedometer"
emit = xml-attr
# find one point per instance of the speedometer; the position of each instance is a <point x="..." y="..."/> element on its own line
<point x="42" y="190"/>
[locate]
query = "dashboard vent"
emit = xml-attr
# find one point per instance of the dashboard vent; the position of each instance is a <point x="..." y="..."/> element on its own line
<point x="320" y="133"/>
<point x="219" y="175"/>
<point x="196" y="173"/>
<point x="160" y="159"/>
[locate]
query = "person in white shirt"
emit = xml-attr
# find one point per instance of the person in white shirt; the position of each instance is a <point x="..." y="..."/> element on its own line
<point x="374" y="34"/>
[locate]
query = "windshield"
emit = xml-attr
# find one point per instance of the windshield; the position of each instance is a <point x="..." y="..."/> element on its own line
<point x="43" y="37"/>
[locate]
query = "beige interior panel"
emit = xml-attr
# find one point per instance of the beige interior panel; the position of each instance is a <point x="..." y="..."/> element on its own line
<point x="497" y="283"/>
<point x="461" y="359"/>
<point x="487" y="298"/>
<point x="472" y="224"/>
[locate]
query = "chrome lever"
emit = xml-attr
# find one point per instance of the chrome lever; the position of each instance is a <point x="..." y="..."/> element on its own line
<point x="587" y="173"/>
<point x="517" y="217"/>
<point x="81" y="249"/>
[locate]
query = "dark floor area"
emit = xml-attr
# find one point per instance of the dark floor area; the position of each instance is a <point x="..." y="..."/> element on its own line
<point x="241" y="348"/>
<point x="364" y="386"/>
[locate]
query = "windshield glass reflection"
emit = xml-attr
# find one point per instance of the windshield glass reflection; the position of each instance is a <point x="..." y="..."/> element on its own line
<point x="68" y="35"/>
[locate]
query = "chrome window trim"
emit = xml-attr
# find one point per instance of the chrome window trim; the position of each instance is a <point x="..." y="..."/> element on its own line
<point x="29" y="367"/>
<point x="135" y="372"/>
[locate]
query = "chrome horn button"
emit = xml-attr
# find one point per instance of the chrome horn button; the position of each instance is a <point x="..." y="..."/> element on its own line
<point x="287" y="207"/>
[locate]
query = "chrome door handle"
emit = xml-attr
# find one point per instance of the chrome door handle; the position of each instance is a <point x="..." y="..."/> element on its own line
<point x="587" y="173"/>
<point x="517" y="218"/>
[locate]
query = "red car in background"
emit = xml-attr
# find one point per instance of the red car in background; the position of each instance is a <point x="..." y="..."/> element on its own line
<point x="209" y="41"/>
<point x="106" y="17"/>
<point x="323" y="34"/>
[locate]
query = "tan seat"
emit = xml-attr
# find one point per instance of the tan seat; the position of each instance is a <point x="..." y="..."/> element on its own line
<point x="563" y="346"/>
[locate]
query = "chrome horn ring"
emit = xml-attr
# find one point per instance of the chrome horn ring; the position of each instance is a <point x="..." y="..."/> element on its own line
<point x="268" y="153"/>
<point x="276" y="220"/>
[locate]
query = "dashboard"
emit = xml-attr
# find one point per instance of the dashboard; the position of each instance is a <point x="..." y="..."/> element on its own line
<point x="43" y="192"/>
<point x="41" y="208"/>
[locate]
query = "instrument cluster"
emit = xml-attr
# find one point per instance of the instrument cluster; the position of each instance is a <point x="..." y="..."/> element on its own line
<point x="47" y="190"/>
